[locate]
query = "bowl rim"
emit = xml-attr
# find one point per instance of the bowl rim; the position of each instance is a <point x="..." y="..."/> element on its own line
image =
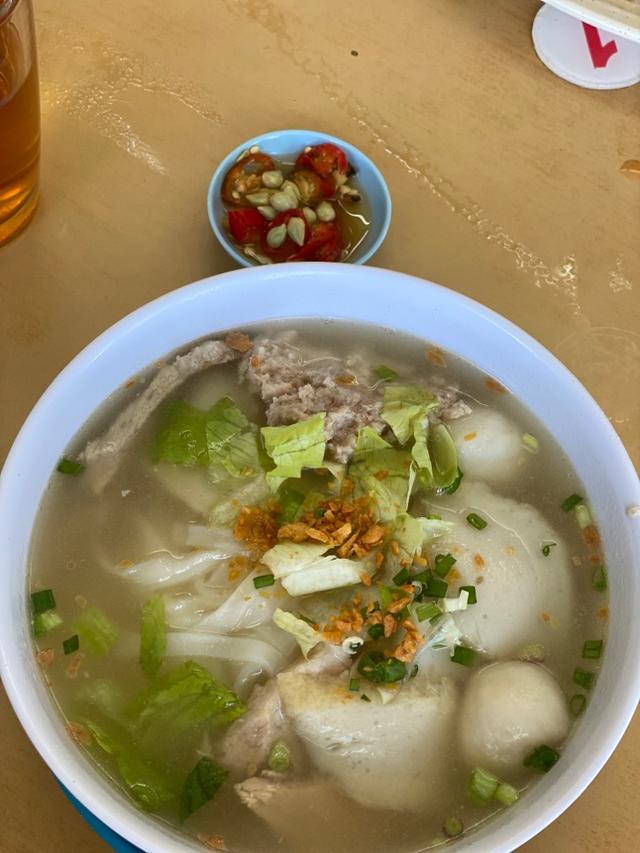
<point x="267" y="285"/>
<point x="353" y="154"/>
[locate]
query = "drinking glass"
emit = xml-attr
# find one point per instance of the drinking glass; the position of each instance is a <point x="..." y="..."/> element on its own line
<point x="19" y="118"/>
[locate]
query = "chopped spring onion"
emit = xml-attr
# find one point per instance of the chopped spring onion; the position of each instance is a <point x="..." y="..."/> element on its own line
<point x="569" y="503"/>
<point x="542" y="758"/>
<point x="592" y="649"/>
<point x="318" y="512"/>
<point x="387" y="374"/>
<point x="376" y="668"/>
<point x="453" y="605"/>
<point x="463" y="655"/>
<point x="279" y="757"/>
<point x="483" y="785"/>
<point x="365" y="698"/>
<point x="583" y="515"/>
<point x="69" y="466"/>
<point x="506" y="794"/>
<point x="429" y="611"/>
<point x="376" y="632"/>
<point x="71" y="644"/>
<point x="45" y="622"/>
<point x="354" y="685"/>
<point x="402" y="577"/>
<point x="577" y="704"/>
<point x="476" y="521"/>
<point x="263" y="580"/>
<point x="530" y="442"/>
<point x="446" y="635"/>
<point x="436" y="588"/>
<point x="443" y="564"/>
<point x="42" y="600"/>
<point x="386" y="596"/>
<point x="583" y="678"/>
<point x="473" y="598"/>
<point x="599" y="579"/>
<point x="452" y="827"/>
<point x="414" y="671"/>
<point x="546" y="548"/>
<point x="453" y="487"/>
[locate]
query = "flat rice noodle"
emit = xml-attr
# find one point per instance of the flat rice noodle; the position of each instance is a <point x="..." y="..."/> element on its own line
<point x="183" y="611"/>
<point x="246" y="608"/>
<point x="266" y="657"/>
<point x="217" y="538"/>
<point x="164" y="570"/>
<point x="189" y="486"/>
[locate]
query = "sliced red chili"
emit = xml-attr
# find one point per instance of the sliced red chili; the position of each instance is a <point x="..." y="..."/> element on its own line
<point x="246" y="225"/>
<point x="312" y="187"/>
<point x="324" y="160"/>
<point x="325" y="244"/>
<point x="244" y="177"/>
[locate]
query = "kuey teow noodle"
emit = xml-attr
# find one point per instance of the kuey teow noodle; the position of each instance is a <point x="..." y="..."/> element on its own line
<point x="318" y="586"/>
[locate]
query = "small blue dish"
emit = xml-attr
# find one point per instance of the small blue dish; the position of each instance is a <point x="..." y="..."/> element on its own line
<point x="286" y="145"/>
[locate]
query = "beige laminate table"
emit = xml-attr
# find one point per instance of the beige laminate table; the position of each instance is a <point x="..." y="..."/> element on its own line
<point x="507" y="186"/>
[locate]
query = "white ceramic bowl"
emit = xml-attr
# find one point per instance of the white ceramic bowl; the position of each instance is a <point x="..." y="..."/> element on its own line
<point x="354" y="293"/>
<point x="285" y="145"/>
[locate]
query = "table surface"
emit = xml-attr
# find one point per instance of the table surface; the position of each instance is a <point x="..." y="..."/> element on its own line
<point x="507" y="186"/>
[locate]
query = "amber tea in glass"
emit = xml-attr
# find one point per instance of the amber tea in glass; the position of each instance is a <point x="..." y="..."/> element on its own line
<point x="19" y="118"/>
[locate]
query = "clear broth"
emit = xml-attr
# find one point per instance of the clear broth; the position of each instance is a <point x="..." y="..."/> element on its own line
<point x="66" y="557"/>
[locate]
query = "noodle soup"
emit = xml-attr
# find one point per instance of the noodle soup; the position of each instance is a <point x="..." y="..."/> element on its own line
<point x="318" y="584"/>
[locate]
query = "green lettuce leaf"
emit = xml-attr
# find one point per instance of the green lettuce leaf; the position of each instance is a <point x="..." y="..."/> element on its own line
<point x="285" y="558"/>
<point x="444" y="456"/>
<point x="411" y="533"/>
<point x="290" y="500"/>
<point x="95" y="631"/>
<point x="368" y="441"/>
<point x="303" y="570"/>
<point x="101" y="695"/>
<point x="232" y="440"/>
<point x="181" y="438"/>
<point x="408" y="532"/>
<point x="435" y="455"/>
<point x="149" y="786"/>
<point x="294" y="447"/>
<point x="383" y="471"/>
<point x="420" y="453"/>
<point x="201" y="785"/>
<point x="325" y="574"/>
<point x="221" y="437"/>
<point x="248" y="493"/>
<point x="153" y="635"/>
<point x="404" y="404"/>
<point x="432" y="528"/>
<point x="304" y="634"/>
<point x="184" y="702"/>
